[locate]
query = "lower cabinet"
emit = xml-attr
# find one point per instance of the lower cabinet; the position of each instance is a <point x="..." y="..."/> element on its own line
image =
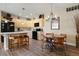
<point x="39" y="35"/>
<point x="34" y="35"/>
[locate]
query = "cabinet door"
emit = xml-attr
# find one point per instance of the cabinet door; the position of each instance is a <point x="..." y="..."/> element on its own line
<point x="3" y="27"/>
<point x="39" y="35"/>
<point x="10" y="27"/>
<point x="34" y="35"/>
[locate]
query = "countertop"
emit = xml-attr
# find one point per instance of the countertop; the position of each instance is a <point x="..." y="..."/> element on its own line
<point x="2" y="33"/>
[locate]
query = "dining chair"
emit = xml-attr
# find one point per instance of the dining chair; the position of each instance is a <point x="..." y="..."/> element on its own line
<point x="47" y="43"/>
<point x="59" y="43"/>
<point x="50" y="35"/>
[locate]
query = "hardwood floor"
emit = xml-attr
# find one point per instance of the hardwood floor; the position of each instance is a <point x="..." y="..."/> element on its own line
<point x="36" y="50"/>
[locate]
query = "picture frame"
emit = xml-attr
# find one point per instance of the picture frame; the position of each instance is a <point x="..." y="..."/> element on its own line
<point x="55" y="23"/>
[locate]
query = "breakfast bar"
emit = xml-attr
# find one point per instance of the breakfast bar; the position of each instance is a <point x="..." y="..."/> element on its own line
<point x="6" y="35"/>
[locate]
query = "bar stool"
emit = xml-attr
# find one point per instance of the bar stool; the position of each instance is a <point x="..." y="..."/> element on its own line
<point x="13" y="41"/>
<point x="24" y="40"/>
<point x="21" y="40"/>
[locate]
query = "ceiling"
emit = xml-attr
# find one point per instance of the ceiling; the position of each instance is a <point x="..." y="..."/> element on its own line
<point x="32" y="9"/>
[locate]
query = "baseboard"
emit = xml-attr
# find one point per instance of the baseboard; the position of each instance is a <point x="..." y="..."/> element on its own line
<point x="71" y="44"/>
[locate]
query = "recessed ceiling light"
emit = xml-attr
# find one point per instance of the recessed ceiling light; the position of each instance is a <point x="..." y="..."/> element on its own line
<point x="55" y="16"/>
<point x="23" y="8"/>
<point x="26" y="16"/>
<point x="31" y="14"/>
<point x="6" y="21"/>
<point x="47" y="16"/>
<point x="22" y="23"/>
<point x="20" y="14"/>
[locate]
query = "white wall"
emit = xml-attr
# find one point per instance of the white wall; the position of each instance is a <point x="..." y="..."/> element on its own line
<point x="67" y="24"/>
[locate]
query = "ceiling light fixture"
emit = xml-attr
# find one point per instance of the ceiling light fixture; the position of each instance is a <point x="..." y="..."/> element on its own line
<point x="31" y="14"/>
<point x="26" y="16"/>
<point x="22" y="23"/>
<point x="23" y="8"/>
<point x="6" y="21"/>
<point x="51" y="14"/>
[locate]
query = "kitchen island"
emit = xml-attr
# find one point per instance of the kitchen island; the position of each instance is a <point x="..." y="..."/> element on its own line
<point x="6" y="35"/>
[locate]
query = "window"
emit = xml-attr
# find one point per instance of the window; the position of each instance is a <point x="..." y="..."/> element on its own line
<point x="55" y="23"/>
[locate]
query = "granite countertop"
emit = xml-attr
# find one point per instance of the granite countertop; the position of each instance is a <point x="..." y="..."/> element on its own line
<point x="14" y="32"/>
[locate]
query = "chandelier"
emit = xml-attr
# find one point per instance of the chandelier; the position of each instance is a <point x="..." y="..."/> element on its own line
<point x="51" y="14"/>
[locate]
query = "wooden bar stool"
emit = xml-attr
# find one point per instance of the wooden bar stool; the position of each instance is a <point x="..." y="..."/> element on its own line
<point x="24" y="40"/>
<point x="13" y="41"/>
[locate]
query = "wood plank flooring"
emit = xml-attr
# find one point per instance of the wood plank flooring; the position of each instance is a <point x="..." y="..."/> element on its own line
<point x="36" y="50"/>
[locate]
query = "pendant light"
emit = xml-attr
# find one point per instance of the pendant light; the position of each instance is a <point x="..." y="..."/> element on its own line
<point x="51" y="14"/>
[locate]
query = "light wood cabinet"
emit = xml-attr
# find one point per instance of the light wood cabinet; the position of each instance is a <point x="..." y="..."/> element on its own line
<point x="39" y="35"/>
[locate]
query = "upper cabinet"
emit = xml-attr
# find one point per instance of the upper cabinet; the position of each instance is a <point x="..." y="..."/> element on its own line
<point x="5" y="15"/>
<point x="28" y="23"/>
<point x="22" y="22"/>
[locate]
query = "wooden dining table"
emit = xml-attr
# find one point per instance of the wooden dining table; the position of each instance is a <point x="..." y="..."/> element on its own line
<point x="59" y="36"/>
<point x="61" y="39"/>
